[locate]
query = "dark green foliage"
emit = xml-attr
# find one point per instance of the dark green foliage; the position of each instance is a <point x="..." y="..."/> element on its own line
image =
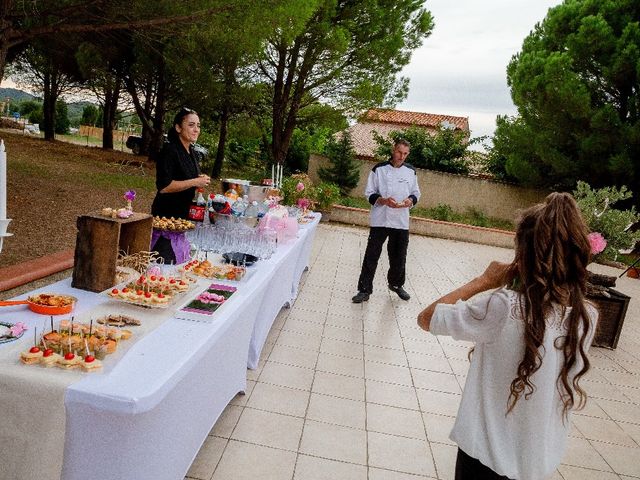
<point x="445" y="151"/>
<point x="344" y="169"/>
<point x="28" y="106"/>
<point x="349" y="53"/>
<point x="62" y="118"/>
<point x="297" y="159"/>
<point x="89" y="115"/>
<point x="36" y="116"/>
<point x="576" y="84"/>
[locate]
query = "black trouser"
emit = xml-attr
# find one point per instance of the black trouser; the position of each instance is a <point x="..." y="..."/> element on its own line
<point x="163" y="247"/>
<point x="468" y="468"/>
<point x="397" y="250"/>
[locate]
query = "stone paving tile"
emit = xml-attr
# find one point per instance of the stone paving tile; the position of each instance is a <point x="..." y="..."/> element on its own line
<point x="360" y="392"/>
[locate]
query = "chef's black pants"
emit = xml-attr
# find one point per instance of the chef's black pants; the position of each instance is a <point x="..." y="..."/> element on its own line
<point x="397" y="250"/>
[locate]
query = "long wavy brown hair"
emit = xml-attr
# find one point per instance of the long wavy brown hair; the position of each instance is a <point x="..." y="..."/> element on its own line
<point x="552" y="253"/>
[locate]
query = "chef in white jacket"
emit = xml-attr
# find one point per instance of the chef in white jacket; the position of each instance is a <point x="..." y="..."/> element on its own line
<point x="392" y="189"/>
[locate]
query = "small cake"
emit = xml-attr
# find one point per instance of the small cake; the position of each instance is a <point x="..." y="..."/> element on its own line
<point x="100" y="331"/>
<point x="31" y="356"/>
<point x="49" y="358"/>
<point x="52" y="337"/>
<point x="94" y="342"/>
<point x="90" y="364"/>
<point x="161" y="299"/>
<point x="111" y="345"/>
<point x="69" y="361"/>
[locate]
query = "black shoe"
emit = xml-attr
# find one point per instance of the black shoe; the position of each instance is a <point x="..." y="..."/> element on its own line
<point x="402" y="293"/>
<point x="360" y="297"/>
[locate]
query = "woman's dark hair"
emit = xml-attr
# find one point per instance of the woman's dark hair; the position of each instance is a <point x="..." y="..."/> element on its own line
<point x="172" y="134"/>
<point x="552" y="254"/>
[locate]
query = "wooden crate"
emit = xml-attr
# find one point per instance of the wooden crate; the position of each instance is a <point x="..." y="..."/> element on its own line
<point x="612" y="312"/>
<point x="98" y="242"/>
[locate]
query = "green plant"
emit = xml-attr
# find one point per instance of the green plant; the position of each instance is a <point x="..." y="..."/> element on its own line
<point x="325" y="195"/>
<point x="344" y="169"/>
<point x="612" y="223"/>
<point x="478" y="217"/>
<point x="442" y="212"/>
<point x="292" y="192"/>
<point x="445" y="151"/>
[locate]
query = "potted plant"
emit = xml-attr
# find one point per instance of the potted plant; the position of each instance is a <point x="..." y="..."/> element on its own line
<point x="610" y="234"/>
<point x="323" y="196"/>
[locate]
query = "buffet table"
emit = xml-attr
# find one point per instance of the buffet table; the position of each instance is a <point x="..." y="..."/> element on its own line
<point x="148" y="413"/>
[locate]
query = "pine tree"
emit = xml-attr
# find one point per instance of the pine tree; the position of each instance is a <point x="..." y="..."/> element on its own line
<point x="344" y="169"/>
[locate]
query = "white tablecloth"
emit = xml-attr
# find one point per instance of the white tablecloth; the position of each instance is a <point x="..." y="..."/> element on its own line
<point x="281" y="285"/>
<point x="146" y="416"/>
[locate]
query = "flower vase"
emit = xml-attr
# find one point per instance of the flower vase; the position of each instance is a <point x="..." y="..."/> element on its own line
<point x="129" y="206"/>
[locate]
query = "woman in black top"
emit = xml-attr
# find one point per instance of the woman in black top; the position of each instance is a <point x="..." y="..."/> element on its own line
<point x="177" y="175"/>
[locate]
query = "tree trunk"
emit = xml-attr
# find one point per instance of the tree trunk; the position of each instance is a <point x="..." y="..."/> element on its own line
<point x="111" y="97"/>
<point x="157" y="140"/>
<point x="144" y="111"/>
<point x="4" y="50"/>
<point x="222" y="141"/>
<point x="48" y="108"/>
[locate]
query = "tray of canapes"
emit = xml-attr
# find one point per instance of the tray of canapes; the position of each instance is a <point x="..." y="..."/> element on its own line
<point x="75" y="346"/>
<point x="206" y="303"/>
<point x="172" y="224"/>
<point x="151" y="291"/>
<point x="209" y="270"/>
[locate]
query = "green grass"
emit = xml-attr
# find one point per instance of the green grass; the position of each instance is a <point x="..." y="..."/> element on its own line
<point x="119" y="180"/>
<point x="442" y="212"/>
<point x="84" y="140"/>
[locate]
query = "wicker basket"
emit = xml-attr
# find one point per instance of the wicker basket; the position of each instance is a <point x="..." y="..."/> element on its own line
<point x="612" y="312"/>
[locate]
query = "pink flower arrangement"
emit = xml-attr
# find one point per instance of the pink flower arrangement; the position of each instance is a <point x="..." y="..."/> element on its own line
<point x="598" y="242"/>
<point x="300" y="187"/>
<point x="303" y="203"/>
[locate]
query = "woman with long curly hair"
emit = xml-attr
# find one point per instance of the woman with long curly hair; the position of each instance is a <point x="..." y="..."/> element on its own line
<point x="531" y="338"/>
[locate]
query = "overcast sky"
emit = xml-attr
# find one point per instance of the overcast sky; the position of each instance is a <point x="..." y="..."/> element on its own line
<point x="461" y="68"/>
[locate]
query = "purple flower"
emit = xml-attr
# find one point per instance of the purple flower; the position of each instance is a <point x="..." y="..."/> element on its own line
<point x="130" y="195"/>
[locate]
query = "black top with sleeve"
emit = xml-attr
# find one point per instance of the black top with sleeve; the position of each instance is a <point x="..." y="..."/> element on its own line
<point x="174" y="163"/>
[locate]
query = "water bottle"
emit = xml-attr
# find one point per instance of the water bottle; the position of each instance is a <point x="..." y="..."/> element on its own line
<point x="238" y="207"/>
<point x="263" y="208"/>
<point x="252" y="210"/>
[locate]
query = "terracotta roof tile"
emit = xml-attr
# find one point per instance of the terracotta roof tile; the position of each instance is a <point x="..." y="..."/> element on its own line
<point x="414" y="118"/>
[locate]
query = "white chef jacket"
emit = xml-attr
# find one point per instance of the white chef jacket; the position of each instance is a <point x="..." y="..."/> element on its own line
<point x="399" y="183"/>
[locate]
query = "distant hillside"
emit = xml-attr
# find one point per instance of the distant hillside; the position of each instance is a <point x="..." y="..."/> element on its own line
<point x="75" y="108"/>
<point x="14" y="94"/>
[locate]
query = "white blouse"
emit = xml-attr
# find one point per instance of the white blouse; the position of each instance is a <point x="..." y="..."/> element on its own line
<point x="529" y="442"/>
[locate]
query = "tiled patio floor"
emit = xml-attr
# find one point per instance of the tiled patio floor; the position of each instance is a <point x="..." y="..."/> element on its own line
<point x="348" y="391"/>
